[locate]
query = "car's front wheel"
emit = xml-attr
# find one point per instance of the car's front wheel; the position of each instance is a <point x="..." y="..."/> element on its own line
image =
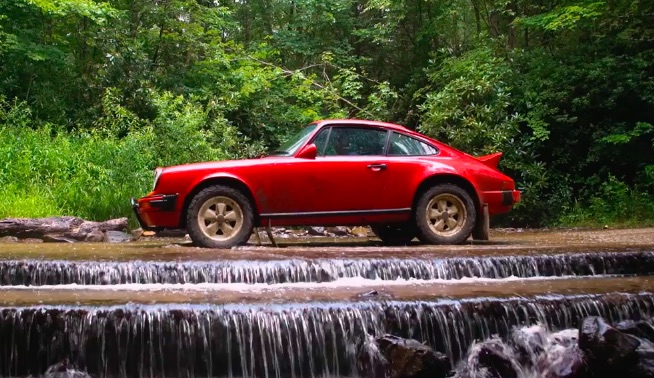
<point x="445" y="214"/>
<point x="219" y="217"/>
<point x="395" y="234"/>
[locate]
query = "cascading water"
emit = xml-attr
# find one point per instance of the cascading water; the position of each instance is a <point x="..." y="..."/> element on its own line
<point x="36" y="272"/>
<point x="282" y="341"/>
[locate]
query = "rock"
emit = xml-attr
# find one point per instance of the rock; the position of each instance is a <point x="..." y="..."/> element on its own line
<point x="117" y="237"/>
<point x="370" y="362"/>
<point x="339" y="231"/>
<point x="409" y="358"/>
<point x="645" y="366"/>
<point x="640" y="329"/>
<point x="95" y="236"/>
<point x="315" y="231"/>
<point x="563" y="358"/>
<point x="8" y="239"/>
<point x="64" y="369"/>
<point x="489" y="359"/>
<point x="494" y="358"/>
<point x="137" y="232"/>
<point x="359" y="231"/>
<point x="529" y="343"/>
<point x="609" y="352"/>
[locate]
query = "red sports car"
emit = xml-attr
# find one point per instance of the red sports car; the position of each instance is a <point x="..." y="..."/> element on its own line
<point x="335" y="172"/>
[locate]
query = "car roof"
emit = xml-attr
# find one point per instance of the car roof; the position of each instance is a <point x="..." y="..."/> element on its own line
<point x="361" y="122"/>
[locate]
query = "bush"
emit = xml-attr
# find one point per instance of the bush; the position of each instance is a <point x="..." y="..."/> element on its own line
<point x="49" y="171"/>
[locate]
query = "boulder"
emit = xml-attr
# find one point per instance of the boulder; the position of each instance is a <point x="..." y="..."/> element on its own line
<point x="64" y="369"/>
<point x="639" y="329"/>
<point x="562" y="358"/>
<point x="118" y="236"/>
<point x="339" y="231"/>
<point x="8" y="239"/>
<point x="529" y="344"/>
<point x="316" y="231"/>
<point x="497" y="362"/>
<point x="489" y="359"/>
<point x="360" y="231"/>
<point x="608" y="351"/>
<point x="369" y="360"/>
<point x="409" y="358"/>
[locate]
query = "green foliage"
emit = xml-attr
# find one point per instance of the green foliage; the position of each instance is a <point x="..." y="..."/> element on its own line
<point x="565" y="16"/>
<point x="95" y="94"/>
<point x="470" y="106"/>
<point x="50" y="171"/>
<point x="615" y="204"/>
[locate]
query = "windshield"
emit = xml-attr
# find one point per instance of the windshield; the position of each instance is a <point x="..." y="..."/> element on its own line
<point x="295" y="142"/>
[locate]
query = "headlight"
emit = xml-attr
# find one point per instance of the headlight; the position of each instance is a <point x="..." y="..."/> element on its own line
<point x="157" y="174"/>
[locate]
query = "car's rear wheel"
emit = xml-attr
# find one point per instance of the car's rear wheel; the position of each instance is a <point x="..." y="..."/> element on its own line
<point x="219" y="217"/>
<point x="445" y="214"/>
<point x="396" y="233"/>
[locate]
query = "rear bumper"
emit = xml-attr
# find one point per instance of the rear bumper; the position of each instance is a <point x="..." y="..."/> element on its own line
<point x="156" y="212"/>
<point x="510" y="197"/>
<point x="501" y="201"/>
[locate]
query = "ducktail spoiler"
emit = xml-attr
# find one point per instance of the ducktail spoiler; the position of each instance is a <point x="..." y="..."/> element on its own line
<point x="491" y="160"/>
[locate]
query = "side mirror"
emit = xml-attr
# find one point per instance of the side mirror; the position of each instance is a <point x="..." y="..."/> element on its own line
<point x="308" y="152"/>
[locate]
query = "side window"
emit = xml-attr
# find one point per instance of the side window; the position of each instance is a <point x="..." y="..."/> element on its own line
<point x="356" y="141"/>
<point x="321" y="140"/>
<point x="405" y="145"/>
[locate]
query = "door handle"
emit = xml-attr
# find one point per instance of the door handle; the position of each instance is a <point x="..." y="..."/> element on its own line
<point x="377" y="167"/>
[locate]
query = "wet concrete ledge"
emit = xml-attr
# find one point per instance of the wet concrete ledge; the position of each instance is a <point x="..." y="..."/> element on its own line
<point x="353" y="292"/>
<point x="501" y="243"/>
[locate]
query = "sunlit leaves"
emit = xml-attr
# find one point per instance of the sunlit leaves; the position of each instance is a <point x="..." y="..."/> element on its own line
<point x="565" y="16"/>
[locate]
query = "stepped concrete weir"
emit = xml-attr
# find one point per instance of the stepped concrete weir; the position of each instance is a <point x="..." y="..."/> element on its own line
<point x="163" y="308"/>
<point x="278" y="341"/>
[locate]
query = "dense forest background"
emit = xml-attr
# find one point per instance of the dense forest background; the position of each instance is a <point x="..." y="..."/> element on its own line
<point x="94" y="95"/>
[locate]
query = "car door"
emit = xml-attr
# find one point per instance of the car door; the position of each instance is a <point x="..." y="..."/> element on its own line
<point x="408" y="160"/>
<point x="347" y="177"/>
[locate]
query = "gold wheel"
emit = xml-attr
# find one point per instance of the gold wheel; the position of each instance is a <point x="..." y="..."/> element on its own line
<point x="220" y="218"/>
<point x="446" y="214"/>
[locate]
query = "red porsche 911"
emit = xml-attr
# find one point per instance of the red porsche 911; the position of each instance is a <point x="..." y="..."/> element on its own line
<point x="335" y="172"/>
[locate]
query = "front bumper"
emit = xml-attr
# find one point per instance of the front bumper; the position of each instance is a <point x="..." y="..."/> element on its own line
<point x="156" y="212"/>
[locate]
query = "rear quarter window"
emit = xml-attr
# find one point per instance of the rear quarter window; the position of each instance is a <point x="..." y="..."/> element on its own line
<point x="404" y="145"/>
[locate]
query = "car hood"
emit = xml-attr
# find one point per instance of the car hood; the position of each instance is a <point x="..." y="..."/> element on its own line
<point x="223" y="164"/>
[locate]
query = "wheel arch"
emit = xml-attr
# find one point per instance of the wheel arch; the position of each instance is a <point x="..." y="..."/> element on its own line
<point x="446" y="178"/>
<point x="229" y="181"/>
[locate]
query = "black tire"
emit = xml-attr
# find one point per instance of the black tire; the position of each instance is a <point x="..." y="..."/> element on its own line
<point x="454" y="197"/>
<point x="233" y="201"/>
<point x="396" y="233"/>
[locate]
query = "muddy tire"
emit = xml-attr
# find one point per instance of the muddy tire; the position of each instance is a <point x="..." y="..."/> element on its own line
<point x="219" y="217"/>
<point x="395" y="234"/>
<point x="445" y="214"/>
